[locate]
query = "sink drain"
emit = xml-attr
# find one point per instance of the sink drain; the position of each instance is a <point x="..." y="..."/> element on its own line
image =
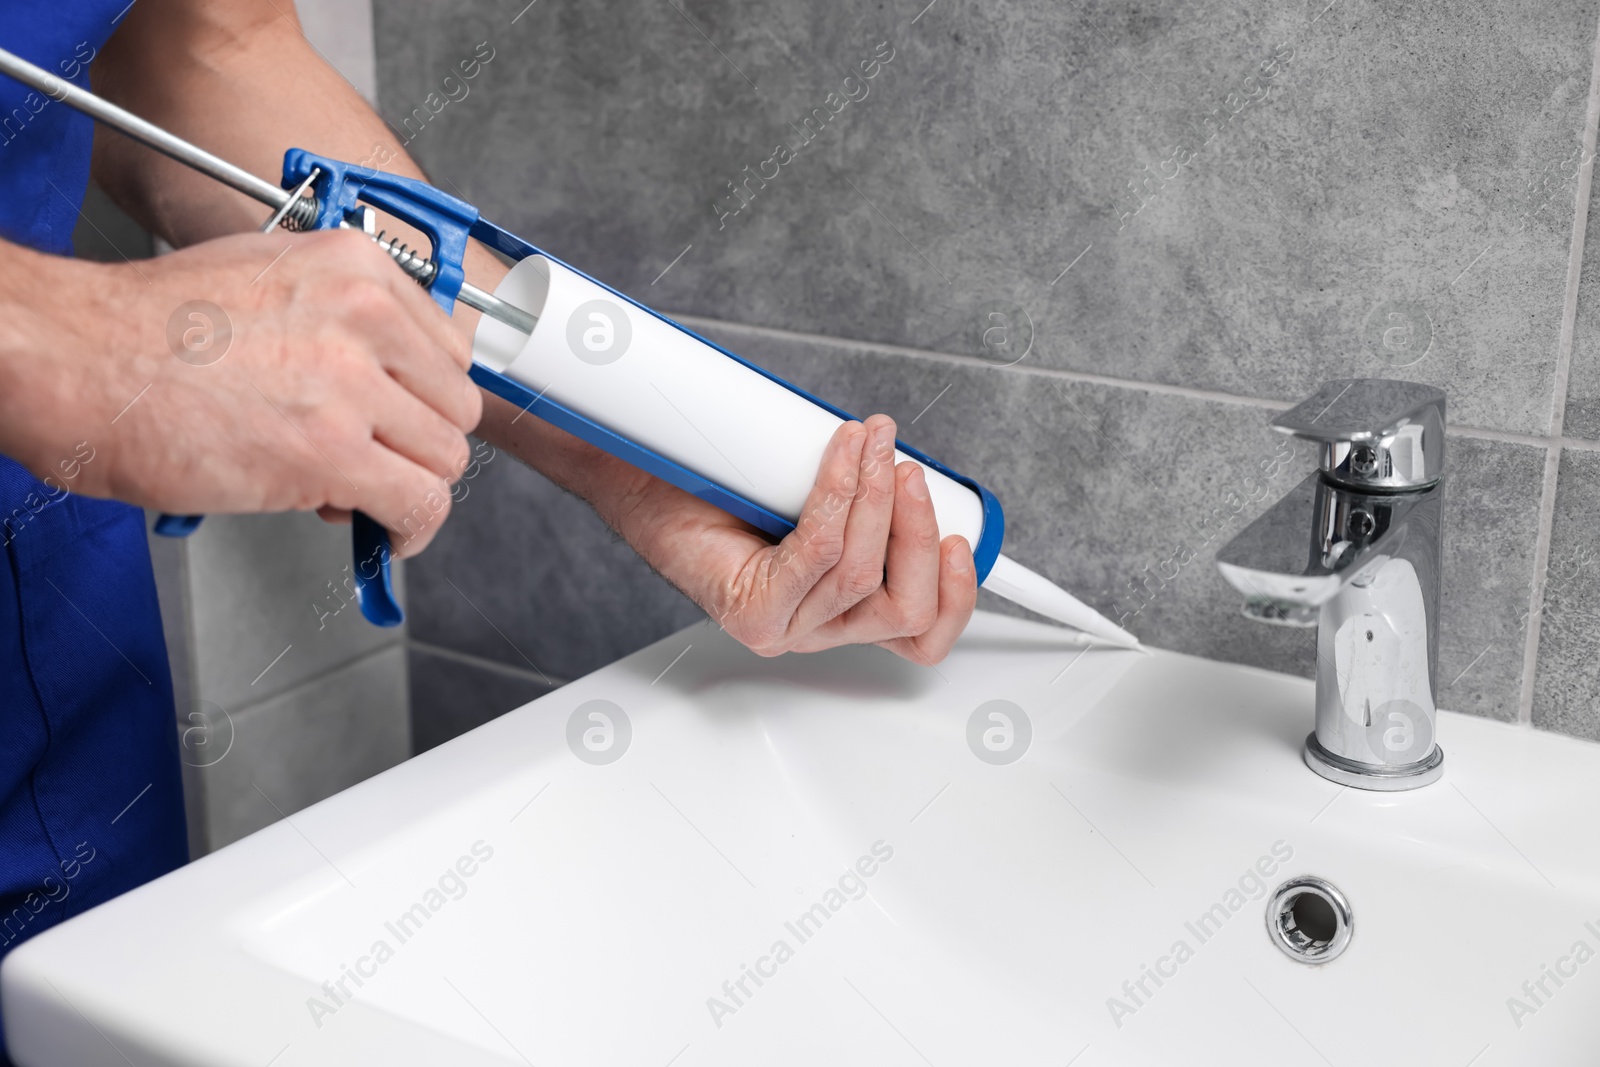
<point x="1309" y="919"/>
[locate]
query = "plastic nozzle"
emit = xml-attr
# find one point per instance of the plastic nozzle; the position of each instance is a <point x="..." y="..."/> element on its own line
<point x="1039" y="594"/>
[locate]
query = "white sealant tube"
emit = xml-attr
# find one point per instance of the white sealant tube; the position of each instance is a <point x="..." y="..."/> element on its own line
<point x="661" y="388"/>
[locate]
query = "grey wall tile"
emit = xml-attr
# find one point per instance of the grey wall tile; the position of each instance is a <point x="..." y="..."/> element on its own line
<point x="307" y="744"/>
<point x="264" y="584"/>
<point x="1567" y="690"/>
<point x="1491" y="525"/>
<point x="341" y="31"/>
<point x="1105" y="487"/>
<point x="452" y="693"/>
<point x="527" y="575"/>
<point x="234" y="595"/>
<point x="169" y="562"/>
<point x="1403" y="161"/>
<point x="1583" y="379"/>
<point x="106" y="235"/>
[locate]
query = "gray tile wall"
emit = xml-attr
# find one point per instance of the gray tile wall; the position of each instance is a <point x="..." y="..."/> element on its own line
<point x="285" y="694"/>
<point x="1081" y="252"/>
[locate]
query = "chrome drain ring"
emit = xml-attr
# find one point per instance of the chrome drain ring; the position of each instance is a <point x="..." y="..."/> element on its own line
<point x="1310" y="920"/>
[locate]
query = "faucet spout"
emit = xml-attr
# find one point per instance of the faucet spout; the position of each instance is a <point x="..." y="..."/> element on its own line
<point x="1305" y="549"/>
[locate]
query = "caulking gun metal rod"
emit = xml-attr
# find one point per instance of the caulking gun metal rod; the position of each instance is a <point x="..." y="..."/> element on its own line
<point x="174" y="147"/>
<point x="495" y="308"/>
<point x="144" y="132"/>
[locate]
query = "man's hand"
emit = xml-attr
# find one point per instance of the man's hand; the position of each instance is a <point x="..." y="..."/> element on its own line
<point x="341" y="388"/>
<point x="864" y="565"/>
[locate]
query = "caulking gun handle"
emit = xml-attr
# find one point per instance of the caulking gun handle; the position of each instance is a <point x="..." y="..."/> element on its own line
<point x="177" y="525"/>
<point x="342" y="188"/>
<point x="374" y="586"/>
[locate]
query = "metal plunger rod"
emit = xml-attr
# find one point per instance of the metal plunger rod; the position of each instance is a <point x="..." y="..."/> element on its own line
<point x="153" y="136"/>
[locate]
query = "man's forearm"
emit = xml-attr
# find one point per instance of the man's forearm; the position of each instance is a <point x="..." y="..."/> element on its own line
<point x="49" y="399"/>
<point x="238" y="79"/>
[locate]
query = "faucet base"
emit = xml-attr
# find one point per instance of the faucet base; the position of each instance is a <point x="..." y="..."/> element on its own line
<point x="1373" y="776"/>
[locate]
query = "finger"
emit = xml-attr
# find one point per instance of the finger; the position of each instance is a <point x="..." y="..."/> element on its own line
<point x="908" y="603"/>
<point x="435" y="374"/>
<point x="424" y="313"/>
<point x="337" y="516"/>
<point x="440" y="385"/>
<point x="958" y="596"/>
<point x="913" y="559"/>
<point x="859" y="572"/>
<point x="416" y="362"/>
<point x="787" y="571"/>
<point x="419" y="433"/>
<point x="409" y="500"/>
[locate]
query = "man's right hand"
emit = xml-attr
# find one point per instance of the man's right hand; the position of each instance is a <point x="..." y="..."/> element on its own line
<point x="333" y="383"/>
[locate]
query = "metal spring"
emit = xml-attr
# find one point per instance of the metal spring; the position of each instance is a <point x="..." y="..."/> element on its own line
<point x="301" y="215"/>
<point x="420" y="267"/>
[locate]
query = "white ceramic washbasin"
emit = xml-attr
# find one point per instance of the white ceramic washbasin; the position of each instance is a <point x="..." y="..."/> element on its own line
<point x="566" y="911"/>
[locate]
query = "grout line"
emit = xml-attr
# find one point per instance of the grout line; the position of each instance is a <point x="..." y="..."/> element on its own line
<point x="195" y="786"/>
<point x="700" y="324"/>
<point x="483" y="663"/>
<point x="314" y="680"/>
<point x="696" y="322"/>
<point x="1558" y="399"/>
<point x="1510" y="437"/>
<point x="1483" y="433"/>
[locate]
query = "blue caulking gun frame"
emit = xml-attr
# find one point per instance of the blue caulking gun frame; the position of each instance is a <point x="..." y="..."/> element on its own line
<point x="449" y="222"/>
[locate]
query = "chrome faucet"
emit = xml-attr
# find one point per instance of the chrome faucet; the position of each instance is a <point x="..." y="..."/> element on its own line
<point x="1354" y="550"/>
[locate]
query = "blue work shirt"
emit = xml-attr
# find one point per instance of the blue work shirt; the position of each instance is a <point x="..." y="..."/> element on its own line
<point x="91" y="800"/>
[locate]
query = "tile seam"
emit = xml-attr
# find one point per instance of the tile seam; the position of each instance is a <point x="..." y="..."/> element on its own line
<point x="1510" y="437"/>
<point x="1558" y="398"/>
<point x="483" y="663"/>
<point x="696" y="321"/>
<point x="1162" y="388"/>
<point x="318" y="678"/>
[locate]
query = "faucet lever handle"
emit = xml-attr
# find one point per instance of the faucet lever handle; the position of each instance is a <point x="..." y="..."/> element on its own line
<point x="1374" y="433"/>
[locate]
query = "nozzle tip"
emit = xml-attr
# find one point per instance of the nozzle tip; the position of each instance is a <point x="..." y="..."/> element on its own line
<point x="1112" y="634"/>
